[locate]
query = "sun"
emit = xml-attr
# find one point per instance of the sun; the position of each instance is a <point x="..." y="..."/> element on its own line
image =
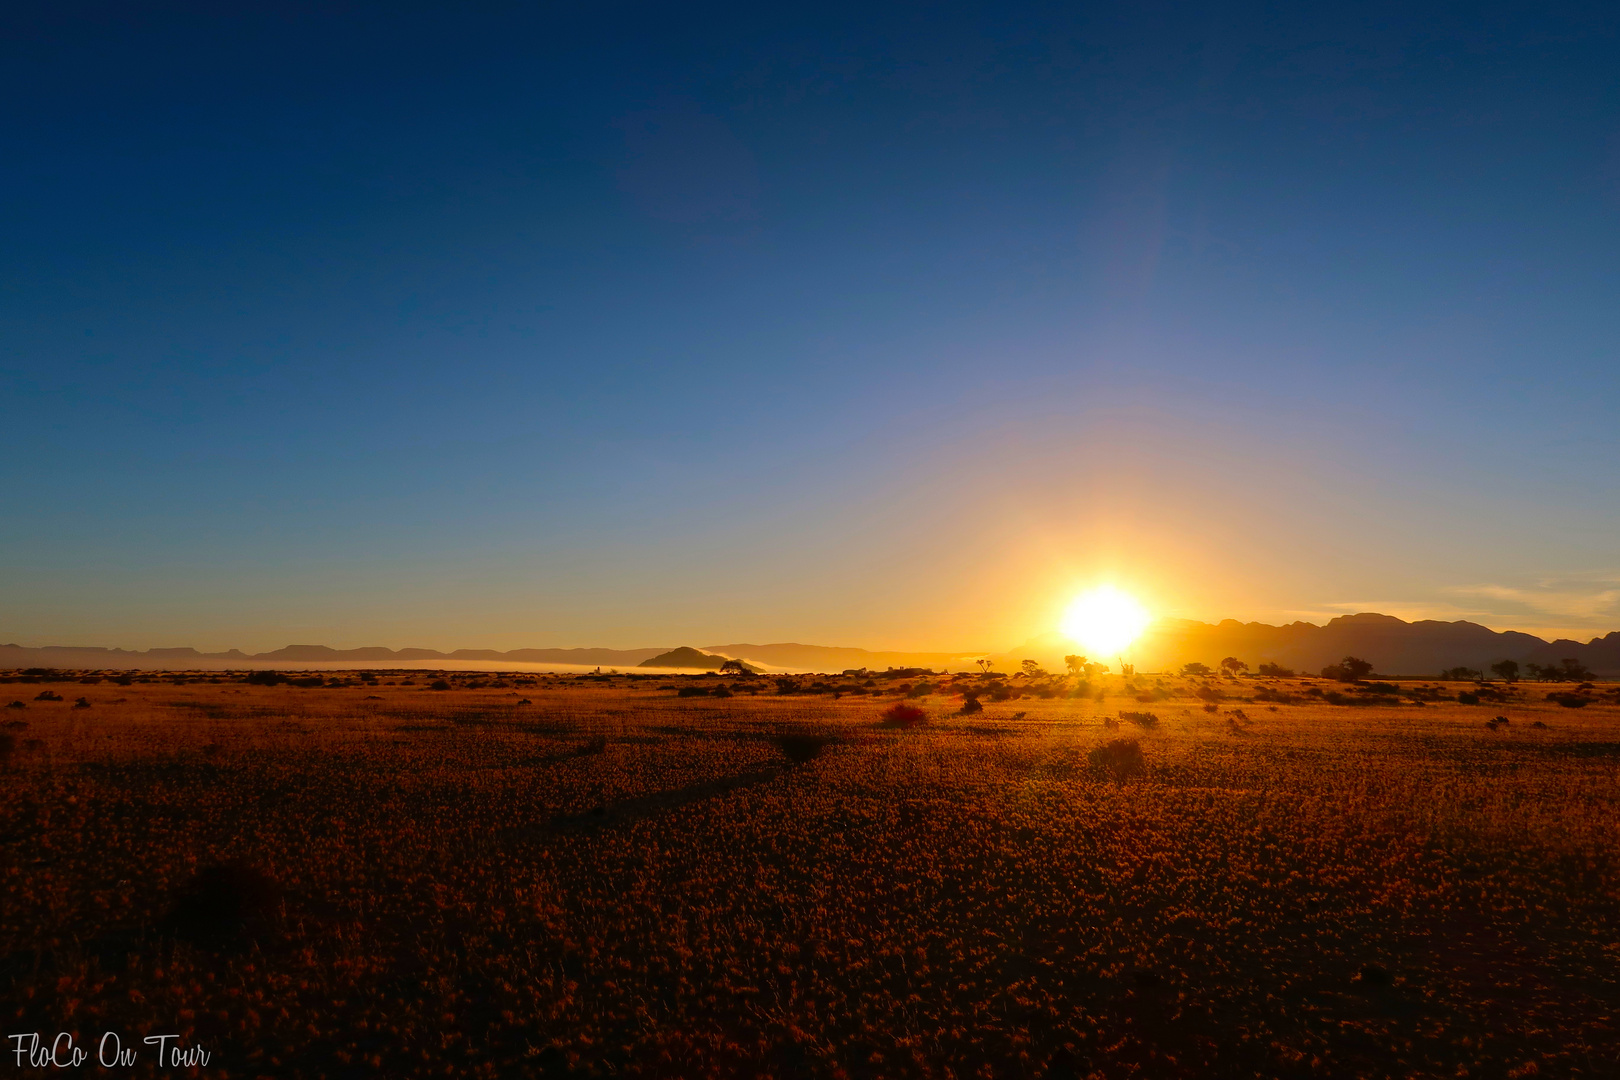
<point x="1105" y="620"/>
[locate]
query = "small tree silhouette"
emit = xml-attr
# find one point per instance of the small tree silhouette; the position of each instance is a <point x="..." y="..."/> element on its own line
<point x="1232" y="666"/>
<point x="1506" y="670"/>
<point x="1351" y="669"/>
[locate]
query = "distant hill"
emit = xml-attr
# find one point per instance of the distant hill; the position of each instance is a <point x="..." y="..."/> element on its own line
<point x="1394" y="646"/>
<point x="95" y="658"/>
<point x="685" y="657"/>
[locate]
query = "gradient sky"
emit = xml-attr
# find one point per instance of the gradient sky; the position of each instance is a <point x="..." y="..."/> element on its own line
<point x="475" y="326"/>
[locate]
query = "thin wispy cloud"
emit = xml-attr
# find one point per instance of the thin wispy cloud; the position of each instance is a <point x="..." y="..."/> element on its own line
<point x="1595" y="597"/>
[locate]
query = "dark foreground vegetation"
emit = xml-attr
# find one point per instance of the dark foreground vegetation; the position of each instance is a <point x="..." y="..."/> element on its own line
<point x="1175" y="877"/>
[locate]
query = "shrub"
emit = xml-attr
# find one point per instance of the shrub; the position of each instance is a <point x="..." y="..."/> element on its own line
<point x="1466" y="698"/>
<point x="46" y="695"/>
<point x="260" y="678"/>
<point x="1141" y="719"/>
<point x="901" y="715"/>
<point x="799" y="747"/>
<point x="1119" y="759"/>
<point x="970" y="705"/>
<point x="692" y="691"/>
<point x="1275" y="671"/>
<point x="1350" y="669"/>
<point x="438" y="684"/>
<point x="8" y="743"/>
<point x="220" y="899"/>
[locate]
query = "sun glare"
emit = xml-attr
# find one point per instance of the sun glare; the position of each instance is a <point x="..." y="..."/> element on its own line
<point x="1105" y="620"/>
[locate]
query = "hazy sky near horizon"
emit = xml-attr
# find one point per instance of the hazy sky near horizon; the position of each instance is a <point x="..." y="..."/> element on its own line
<point x="881" y="325"/>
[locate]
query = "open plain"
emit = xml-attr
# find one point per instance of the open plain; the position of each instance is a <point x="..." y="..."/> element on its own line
<point x="611" y="876"/>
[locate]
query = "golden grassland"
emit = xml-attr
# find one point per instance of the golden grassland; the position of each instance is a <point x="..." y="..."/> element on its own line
<point x="528" y="876"/>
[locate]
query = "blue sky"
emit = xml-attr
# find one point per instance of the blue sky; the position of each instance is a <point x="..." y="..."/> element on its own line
<point x="619" y="325"/>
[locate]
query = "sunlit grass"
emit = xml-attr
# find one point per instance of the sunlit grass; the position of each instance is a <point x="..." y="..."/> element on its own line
<point x="621" y="880"/>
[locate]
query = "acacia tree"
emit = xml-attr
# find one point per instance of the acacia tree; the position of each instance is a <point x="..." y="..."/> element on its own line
<point x="1506" y="670"/>
<point x="1351" y="669"/>
<point x="1232" y="666"/>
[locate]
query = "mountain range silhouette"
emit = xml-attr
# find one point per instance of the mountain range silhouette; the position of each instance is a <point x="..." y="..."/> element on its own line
<point x="1394" y="646"/>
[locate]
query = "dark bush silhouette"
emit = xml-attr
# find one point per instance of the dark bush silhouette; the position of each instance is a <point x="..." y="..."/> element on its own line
<point x="1141" y="719"/>
<point x="17" y="705"/>
<point x="901" y="715"/>
<point x="1506" y="670"/>
<point x="438" y="684"/>
<point x="970" y="705"/>
<point x="692" y="691"/>
<point x="1351" y="669"/>
<point x="47" y="695"/>
<point x="221" y="900"/>
<point x="1566" y="670"/>
<point x="1274" y="671"/>
<point x="1195" y="670"/>
<point x="1119" y="759"/>
<point x="1372" y="977"/>
<point x="1465" y="698"/>
<point x="8" y="744"/>
<point x="265" y="678"/>
<point x="799" y="747"/>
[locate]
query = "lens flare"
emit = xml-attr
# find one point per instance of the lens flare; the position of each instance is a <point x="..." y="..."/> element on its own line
<point x="1105" y="621"/>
